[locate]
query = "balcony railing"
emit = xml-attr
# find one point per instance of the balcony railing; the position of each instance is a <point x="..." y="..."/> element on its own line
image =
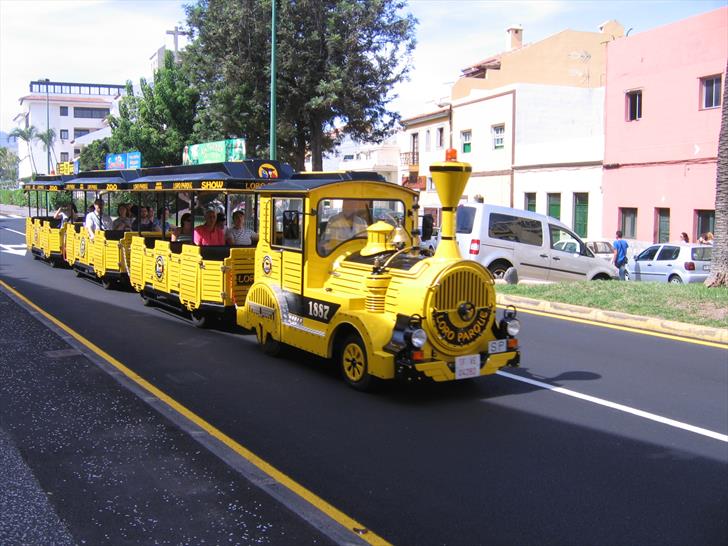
<point x="409" y="158"/>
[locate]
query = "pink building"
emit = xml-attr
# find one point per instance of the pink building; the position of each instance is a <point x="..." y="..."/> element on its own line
<point x="663" y="109"/>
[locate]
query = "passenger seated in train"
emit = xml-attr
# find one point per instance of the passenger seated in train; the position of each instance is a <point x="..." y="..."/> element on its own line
<point x="183" y="233"/>
<point x="123" y="220"/>
<point x="143" y="222"/>
<point x="66" y="213"/>
<point x="209" y="233"/>
<point x="238" y="234"/>
<point x="163" y="219"/>
<point x="97" y="220"/>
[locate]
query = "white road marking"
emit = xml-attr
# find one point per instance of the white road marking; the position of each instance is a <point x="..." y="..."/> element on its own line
<point x="18" y="250"/>
<point x="18" y="232"/>
<point x="619" y="407"/>
<point x="10" y="216"/>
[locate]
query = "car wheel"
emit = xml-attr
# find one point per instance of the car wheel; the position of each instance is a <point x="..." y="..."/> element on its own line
<point x="675" y="279"/>
<point x="498" y="268"/>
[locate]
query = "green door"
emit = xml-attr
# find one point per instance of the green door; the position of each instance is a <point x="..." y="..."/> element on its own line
<point x="663" y="225"/>
<point x="581" y="213"/>
<point x="554" y="204"/>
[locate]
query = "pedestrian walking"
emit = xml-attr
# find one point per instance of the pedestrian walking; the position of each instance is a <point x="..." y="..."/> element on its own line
<point x="620" y="255"/>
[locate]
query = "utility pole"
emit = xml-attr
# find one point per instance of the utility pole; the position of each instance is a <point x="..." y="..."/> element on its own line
<point x="177" y="32"/>
<point x="272" y="129"/>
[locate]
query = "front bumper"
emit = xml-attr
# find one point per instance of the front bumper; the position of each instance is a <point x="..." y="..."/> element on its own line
<point x="440" y="370"/>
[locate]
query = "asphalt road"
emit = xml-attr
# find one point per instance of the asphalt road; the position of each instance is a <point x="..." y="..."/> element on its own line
<point x="490" y="461"/>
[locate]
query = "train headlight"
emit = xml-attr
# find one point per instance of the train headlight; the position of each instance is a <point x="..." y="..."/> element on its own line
<point x="513" y="326"/>
<point x="418" y="338"/>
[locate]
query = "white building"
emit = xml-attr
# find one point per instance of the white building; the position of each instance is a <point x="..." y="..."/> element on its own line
<point x="72" y="110"/>
<point x="349" y="155"/>
<point x="534" y="147"/>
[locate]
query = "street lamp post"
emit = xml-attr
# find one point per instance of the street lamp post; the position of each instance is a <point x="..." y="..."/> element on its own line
<point x="273" y="142"/>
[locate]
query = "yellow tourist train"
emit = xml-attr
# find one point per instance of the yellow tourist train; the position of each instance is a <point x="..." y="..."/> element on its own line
<point x="337" y="270"/>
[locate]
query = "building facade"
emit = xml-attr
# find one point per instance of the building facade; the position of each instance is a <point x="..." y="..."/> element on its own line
<point x="531" y="125"/>
<point x="663" y="109"/>
<point x="349" y="155"/>
<point x="72" y="110"/>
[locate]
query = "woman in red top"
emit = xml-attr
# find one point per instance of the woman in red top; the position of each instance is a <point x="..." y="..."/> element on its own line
<point x="208" y="234"/>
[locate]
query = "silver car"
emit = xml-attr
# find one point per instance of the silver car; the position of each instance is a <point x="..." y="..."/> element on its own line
<point x="671" y="263"/>
<point x="601" y="249"/>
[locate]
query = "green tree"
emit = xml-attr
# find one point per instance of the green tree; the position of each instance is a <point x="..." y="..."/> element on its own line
<point x="159" y="121"/>
<point x="93" y="156"/>
<point x="48" y="139"/>
<point x="8" y="165"/>
<point x="337" y="63"/>
<point x="28" y="136"/>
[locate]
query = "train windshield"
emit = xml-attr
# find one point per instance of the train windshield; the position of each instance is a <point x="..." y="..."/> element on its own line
<point x="340" y="220"/>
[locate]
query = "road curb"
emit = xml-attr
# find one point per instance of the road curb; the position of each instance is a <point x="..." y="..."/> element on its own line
<point x="704" y="333"/>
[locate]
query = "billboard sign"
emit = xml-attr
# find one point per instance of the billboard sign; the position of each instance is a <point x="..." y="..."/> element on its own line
<point x="66" y="167"/>
<point x="129" y="160"/>
<point x="231" y="149"/>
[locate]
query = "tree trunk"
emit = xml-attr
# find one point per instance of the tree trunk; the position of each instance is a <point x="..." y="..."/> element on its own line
<point x="317" y="162"/>
<point x="719" y="263"/>
<point x="32" y="159"/>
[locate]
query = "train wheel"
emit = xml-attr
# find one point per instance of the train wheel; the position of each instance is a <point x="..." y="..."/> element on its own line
<point x="269" y="346"/>
<point x="352" y="357"/>
<point x="200" y="319"/>
<point x="147" y="301"/>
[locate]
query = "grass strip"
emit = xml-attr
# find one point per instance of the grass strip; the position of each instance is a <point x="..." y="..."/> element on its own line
<point x="690" y="303"/>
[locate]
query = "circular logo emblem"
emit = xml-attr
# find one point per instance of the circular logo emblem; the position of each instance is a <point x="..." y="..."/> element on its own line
<point x="159" y="267"/>
<point x="36" y="236"/>
<point x="267" y="265"/>
<point x="82" y="247"/>
<point x="266" y="170"/>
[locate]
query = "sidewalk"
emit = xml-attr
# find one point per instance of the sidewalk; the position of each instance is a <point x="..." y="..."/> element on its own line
<point x="14" y="210"/>
<point x="84" y="460"/>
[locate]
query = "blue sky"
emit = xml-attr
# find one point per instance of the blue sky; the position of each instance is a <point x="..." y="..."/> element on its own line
<point x="110" y="41"/>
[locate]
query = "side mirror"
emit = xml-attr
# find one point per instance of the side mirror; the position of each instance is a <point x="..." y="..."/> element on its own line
<point x="427" y="223"/>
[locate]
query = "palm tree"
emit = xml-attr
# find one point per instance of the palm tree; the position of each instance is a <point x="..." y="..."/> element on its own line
<point x="48" y="138"/>
<point x="28" y="136"/>
<point x="719" y="263"/>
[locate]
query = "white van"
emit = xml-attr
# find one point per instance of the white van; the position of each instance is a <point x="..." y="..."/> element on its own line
<point x="538" y="246"/>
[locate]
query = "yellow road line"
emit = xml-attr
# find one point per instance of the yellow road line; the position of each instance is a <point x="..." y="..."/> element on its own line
<point x="337" y="515"/>
<point x="619" y="327"/>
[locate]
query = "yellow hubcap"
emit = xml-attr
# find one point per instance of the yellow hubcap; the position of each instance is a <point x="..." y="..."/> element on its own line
<point x="354" y="362"/>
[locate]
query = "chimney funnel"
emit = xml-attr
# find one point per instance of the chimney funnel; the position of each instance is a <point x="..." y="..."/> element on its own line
<point x="514" y="38"/>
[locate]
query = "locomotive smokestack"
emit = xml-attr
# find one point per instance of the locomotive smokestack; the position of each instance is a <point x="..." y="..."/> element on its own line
<point x="449" y="178"/>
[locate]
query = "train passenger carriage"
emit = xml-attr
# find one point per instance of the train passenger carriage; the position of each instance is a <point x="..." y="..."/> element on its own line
<point x="44" y="234"/>
<point x="206" y="281"/>
<point x="105" y="255"/>
<point x="339" y="273"/>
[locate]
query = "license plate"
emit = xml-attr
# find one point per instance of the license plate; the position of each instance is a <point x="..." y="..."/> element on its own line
<point x="706" y="268"/>
<point x="498" y="346"/>
<point x="467" y="366"/>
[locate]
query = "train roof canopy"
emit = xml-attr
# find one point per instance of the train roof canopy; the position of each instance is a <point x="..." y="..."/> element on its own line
<point x="47" y="182"/>
<point x="306" y="182"/>
<point x="230" y="175"/>
<point x="102" y="180"/>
